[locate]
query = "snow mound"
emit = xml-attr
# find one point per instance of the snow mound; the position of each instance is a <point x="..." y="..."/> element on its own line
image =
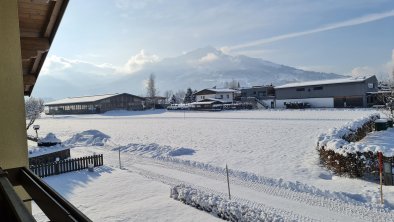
<point x="220" y="207"/>
<point x="155" y="150"/>
<point x="87" y="138"/>
<point x="49" y="138"/>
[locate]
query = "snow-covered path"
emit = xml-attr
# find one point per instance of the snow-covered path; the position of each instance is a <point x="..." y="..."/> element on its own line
<point x="290" y="204"/>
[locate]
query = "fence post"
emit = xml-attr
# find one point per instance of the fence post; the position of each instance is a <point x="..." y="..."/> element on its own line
<point x="56" y="167"/>
<point x="228" y="183"/>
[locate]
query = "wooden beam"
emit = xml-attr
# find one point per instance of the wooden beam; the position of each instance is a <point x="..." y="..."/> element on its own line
<point x="35" y="1"/>
<point x="37" y="62"/>
<point x="30" y="33"/>
<point x="27" y="54"/>
<point x="38" y="44"/>
<point x="54" y="8"/>
<point x="29" y="79"/>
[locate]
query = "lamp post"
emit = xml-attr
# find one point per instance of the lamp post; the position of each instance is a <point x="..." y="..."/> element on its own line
<point x="36" y="128"/>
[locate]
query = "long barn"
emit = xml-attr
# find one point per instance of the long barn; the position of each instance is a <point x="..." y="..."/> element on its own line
<point x="332" y="93"/>
<point x="95" y="104"/>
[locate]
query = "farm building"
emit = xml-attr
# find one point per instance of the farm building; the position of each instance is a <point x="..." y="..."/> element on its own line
<point x="224" y="95"/>
<point x="337" y="93"/>
<point x="95" y="104"/>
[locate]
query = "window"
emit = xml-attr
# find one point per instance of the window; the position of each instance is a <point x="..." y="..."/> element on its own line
<point x="370" y="85"/>
<point x="300" y="89"/>
<point x="221" y="96"/>
<point x="228" y="96"/>
<point x="318" y="88"/>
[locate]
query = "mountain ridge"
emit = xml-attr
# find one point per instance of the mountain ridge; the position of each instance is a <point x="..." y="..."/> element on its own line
<point x="201" y="68"/>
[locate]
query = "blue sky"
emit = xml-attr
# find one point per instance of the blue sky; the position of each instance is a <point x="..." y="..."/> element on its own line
<point x="328" y="35"/>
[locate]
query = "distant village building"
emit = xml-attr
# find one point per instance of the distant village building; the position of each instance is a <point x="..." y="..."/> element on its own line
<point x="212" y="99"/>
<point x="259" y="96"/>
<point x="157" y="102"/>
<point x="95" y="104"/>
<point x="337" y="93"/>
<point x="258" y="92"/>
<point x="222" y="95"/>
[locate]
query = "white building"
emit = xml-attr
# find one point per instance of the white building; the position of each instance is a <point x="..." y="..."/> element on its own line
<point x="222" y="95"/>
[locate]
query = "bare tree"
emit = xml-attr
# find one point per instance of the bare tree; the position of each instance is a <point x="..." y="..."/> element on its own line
<point x="33" y="109"/>
<point x="233" y="84"/>
<point x="151" y="90"/>
<point x="168" y="94"/>
<point x="180" y="95"/>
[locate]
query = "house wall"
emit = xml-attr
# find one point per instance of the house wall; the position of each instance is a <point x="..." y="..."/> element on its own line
<point x="314" y="102"/>
<point x="122" y="101"/>
<point x="341" y="90"/>
<point x="258" y="92"/>
<point x="225" y="97"/>
<point x="13" y="143"/>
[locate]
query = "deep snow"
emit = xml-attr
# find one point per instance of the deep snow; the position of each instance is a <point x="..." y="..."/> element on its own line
<point x="274" y="144"/>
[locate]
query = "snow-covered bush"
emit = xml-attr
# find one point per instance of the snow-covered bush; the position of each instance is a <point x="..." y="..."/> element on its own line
<point x="220" y="207"/>
<point x="339" y="153"/>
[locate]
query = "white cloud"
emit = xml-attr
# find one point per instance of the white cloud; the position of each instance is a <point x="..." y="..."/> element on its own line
<point x="59" y="65"/>
<point x="382" y="72"/>
<point x="210" y="57"/>
<point x="136" y="62"/>
<point x="55" y="64"/>
<point x="343" y="24"/>
<point x="363" y="71"/>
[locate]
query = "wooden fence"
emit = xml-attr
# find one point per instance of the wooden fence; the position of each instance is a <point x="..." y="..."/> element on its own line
<point x="65" y="166"/>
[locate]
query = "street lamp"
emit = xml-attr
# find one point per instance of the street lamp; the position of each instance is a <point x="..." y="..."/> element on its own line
<point x="36" y="128"/>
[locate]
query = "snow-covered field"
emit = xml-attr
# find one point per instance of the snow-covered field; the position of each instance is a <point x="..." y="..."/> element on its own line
<point x="272" y="155"/>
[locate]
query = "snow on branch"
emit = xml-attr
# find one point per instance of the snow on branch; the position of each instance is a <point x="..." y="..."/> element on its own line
<point x="220" y="207"/>
<point x="33" y="109"/>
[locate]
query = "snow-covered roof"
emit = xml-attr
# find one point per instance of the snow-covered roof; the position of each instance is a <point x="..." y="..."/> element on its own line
<point x="202" y="103"/>
<point x="207" y="101"/>
<point x="223" y="90"/>
<point x="217" y="91"/>
<point x="325" y="82"/>
<point x="82" y="99"/>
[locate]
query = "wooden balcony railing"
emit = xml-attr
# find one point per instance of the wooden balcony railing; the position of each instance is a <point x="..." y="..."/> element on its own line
<point x="54" y="206"/>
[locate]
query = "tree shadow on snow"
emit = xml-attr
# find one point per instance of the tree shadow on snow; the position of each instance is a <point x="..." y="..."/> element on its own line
<point x="66" y="183"/>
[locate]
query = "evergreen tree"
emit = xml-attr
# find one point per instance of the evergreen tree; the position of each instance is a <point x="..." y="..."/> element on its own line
<point x="188" y="96"/>
<point x="173" y="100"/>
<point x="194" y="96"/>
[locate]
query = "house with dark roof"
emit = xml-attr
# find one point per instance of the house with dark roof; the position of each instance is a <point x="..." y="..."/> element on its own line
<point x="337" y="93"/>
<point x="95" y="104"/>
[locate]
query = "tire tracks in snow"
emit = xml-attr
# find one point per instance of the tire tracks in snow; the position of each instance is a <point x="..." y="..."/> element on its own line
<point x="324" y="208"/>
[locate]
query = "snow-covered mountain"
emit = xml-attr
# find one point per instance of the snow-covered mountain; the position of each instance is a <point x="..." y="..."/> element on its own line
<point x="198" y="69"/>
<point x="208" y="67"/>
